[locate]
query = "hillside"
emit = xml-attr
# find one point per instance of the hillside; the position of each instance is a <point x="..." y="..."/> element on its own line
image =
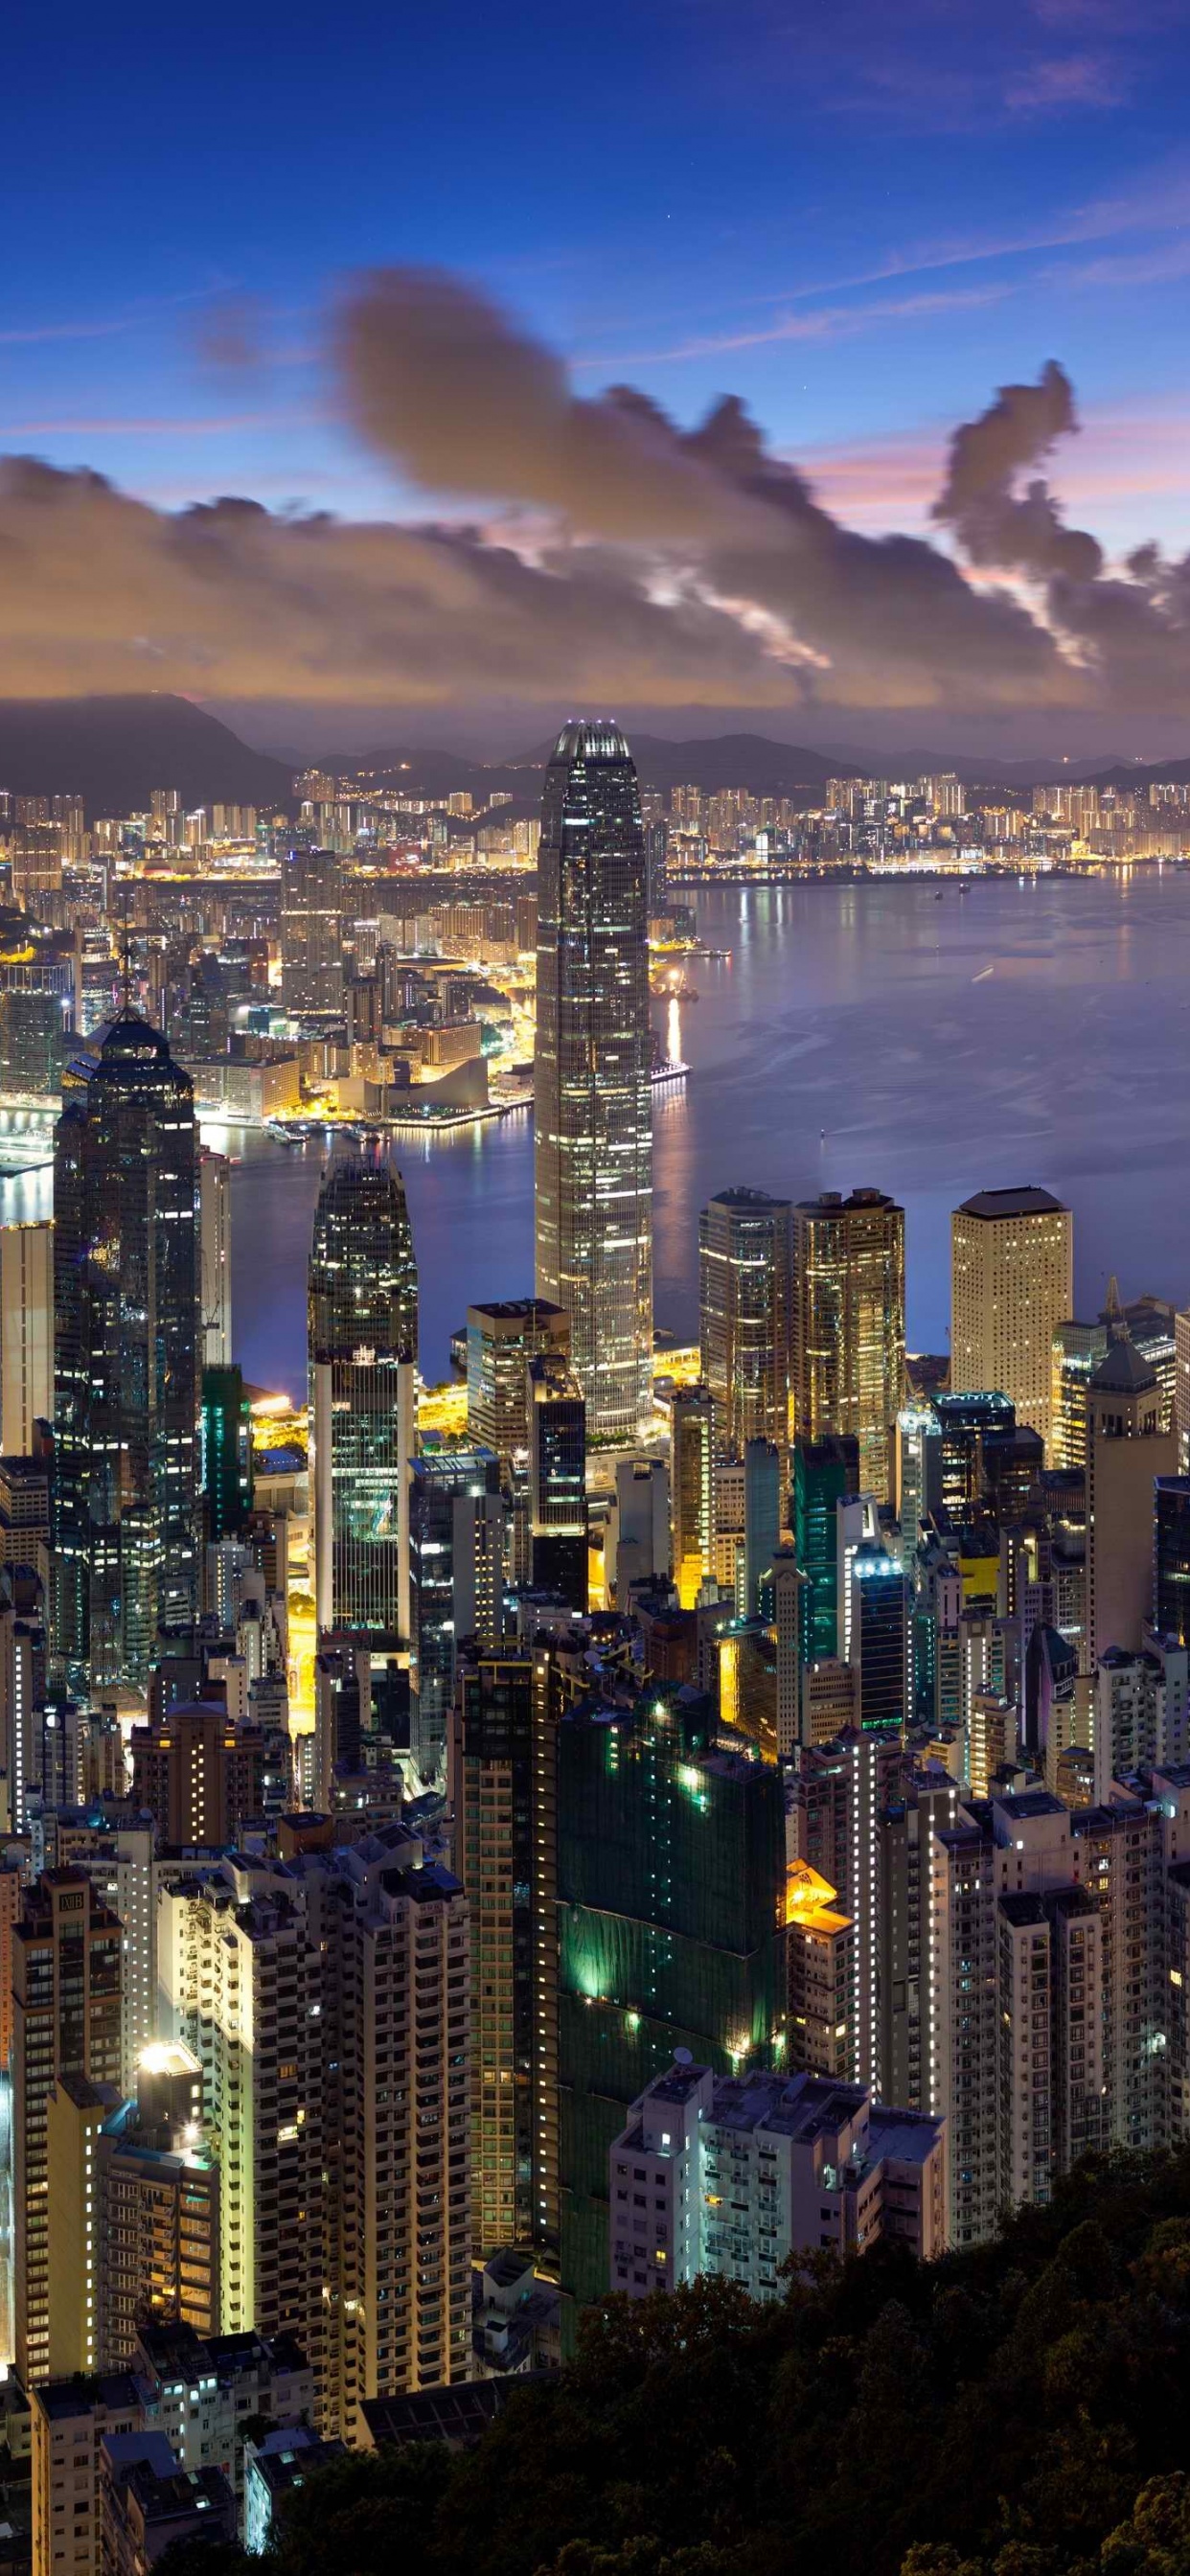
<point x="1019" y="2410"/>
<point x="113" y="751"/>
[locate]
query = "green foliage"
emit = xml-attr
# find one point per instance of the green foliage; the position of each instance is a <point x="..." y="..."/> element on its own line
<point x="1016" y="2411"/>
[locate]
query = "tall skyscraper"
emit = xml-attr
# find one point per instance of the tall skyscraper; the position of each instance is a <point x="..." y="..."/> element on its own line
<point x="825" y="1474"/>
<point x="363" y="1340"/>
<point x="1126" y="1451"/>
<point x="226" y="1426"/>
<point x="214" y="1226"/>
<point x="26" y="1334"/>
<point x="312" y="934"/>
<point x="692" y="1490"/>
<point x="501" y="1337"/>
<point x="744" y="1295"/>
<point x="1012" y="1284"/>
<point x="848" y="1354"/>
<point x="593" y="1112"/>
<point x="558" y="1479"/>
<point x="1171" y="1558"/>
<point x="503" y="1794"/>
<point x="66" y="1954"/>
<point x="126" y="1285"/>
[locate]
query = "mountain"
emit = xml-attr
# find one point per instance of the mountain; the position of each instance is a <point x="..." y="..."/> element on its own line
<point x="721" y="760"/>
<point x="113" y="751"/>
<point x="1131" y="773"/>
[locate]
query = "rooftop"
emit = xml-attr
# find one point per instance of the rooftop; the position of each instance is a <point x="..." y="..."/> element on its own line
<point x="1006" y="1203"/>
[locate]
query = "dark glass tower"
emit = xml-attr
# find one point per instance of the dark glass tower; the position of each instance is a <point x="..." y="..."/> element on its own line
<point x="363" y="1328"/>
<point x="592" y="1075"/>
<point x="226" y="1453"/>
<point x="1171" y="1557"/>
<point x="125" y="1356"/>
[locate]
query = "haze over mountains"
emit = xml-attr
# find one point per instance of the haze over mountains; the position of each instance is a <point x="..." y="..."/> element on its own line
<point x="112" y="751"/>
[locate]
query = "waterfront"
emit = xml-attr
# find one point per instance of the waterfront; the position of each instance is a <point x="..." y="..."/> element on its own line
<point x="867" y="1011"/>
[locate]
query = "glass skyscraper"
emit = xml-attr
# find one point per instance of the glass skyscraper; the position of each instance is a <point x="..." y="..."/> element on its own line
<point x="126" y="1323"/>
<point x="363" y="1339"/>
<point x="593" y="1074"/>
<point x="744" y="1249"/>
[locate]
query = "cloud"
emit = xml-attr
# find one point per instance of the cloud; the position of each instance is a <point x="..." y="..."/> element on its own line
<point x="615" y="556"/>
<point x="995" y="525"/>
<point x="1065" y="80"/>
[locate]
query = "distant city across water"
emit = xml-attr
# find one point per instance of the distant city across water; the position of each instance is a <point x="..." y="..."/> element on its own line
<point x="853" y="1035"/>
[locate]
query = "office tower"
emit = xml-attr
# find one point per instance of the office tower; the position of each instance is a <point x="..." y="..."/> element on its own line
<point x="690" y="1953"/>
<point x="133" y="2196"/>
<point x="312" y="934"/>
<point x="744" y="1297"/>
<point x="26" y="1334"/>
<point x="638" y="1540"/>
<point x="558" y="1417"/>
<point x="918" y="1486"/>
<point x="125" y="1356"/>
<point x="763" y="1515"/>
<point x="965" y="1421"/>
<point x="825" y="1473"/>
<point x="838" y="1792"/>
<point x="1126" y="1451"/>
<point x="1011" y="1464"/>
<point x="692" y="1490"/>
<point x="501" y="1338"/>
<point x="993" y="1737"/>
<point x="66" y="1970"/>
<point x="362" y="1341"/>
<point x="455" y="1581"/>
<point x="327" y="1999"/>
<point x="204" y="1777"/>
<point x="848" y="1337"/>
<point x="503" y="1794"/>
<point x="593" y="1113"/>
<point x="1075" y="1352"/>
<point x="195" y="2393"/>
<point x="730" y="2177"/>
<point x="1171" y="1558"/>
<point x="1181" y="1410"/>
<point x="1142" y="1712"/>
<point x="226" y="1453"/>
<point x="214" y="1230"/>
<point x="1012" y="1284"/>
<point x="32" y="1041"/>
<point x="878" y="1646"/>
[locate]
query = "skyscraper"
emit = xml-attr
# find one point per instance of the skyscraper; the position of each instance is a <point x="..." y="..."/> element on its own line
<point x="744" y="1247"/>
<point x="363" y="1339"/>
<point x="501" y="1337"/>
<point x="27" y="1327"/>
<point x="66" y="1952"/>
<point x="848" y="1357"/>
<point x="214" y="1210"/>
<point x="593" y="1074"/>
<point x="692" y="1490"/>
<point x="312" y="934"/>
<point x="1126" y="1451"/>
<point x="1012" y="1284"/>
<point x="226" y="1453"/>
<point x="557" y="1479"/>
<point x="125" y="1355"/>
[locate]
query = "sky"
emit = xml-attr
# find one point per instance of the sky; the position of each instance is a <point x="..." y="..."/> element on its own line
<point x="857" y="221"/>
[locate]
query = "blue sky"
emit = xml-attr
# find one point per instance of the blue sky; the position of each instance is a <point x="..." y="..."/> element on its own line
<point x="859" y="219"/>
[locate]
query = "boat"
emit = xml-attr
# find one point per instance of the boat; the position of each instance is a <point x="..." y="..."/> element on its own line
<point x="670" y="1071"/>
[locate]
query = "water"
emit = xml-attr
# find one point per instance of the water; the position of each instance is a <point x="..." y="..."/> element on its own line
<point x="863" y="1010"/>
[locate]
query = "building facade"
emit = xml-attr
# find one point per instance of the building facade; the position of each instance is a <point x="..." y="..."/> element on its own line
<point x="1012" y="1284"/>
<point x="848" y="1337"/>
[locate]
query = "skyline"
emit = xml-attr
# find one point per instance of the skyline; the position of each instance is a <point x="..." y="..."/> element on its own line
<point x="783" y="231"/>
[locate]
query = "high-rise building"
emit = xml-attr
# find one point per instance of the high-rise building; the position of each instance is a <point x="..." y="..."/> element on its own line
<point x="825" y="1474"/>
<point x="501" y="1338"/>
<point x="214" y="1228"/>
<point x="1012" y="1284"/>
<point x="1171" y="1558"/>
<point x="593" y="1109"/>
<point x="26" y="1334"/>
<point x="312" y="934"/>
<point x="362" y="1341"/>
<point x="879" y="1641"/>
<point x="1127" y="1450"/>
<point x="327" y="1999"/>
<point x="732" y="2176"/>
<point x="503" y="1794"/>
<point x="126" y="1284"/>
<point x="133" y="2194"/>
<point x="226" y="1453"/>
<point x="1075" y="1353"/>
<point x="557" y="1479"/>
<point x="685" y="1951"/>
<point x="744" y="1297"/>
<point x="764" y="1513"/>
<point x="66" y="1969"/>
<point x="204" y="1778"/>
<point x="848" y="1338"/>
<point x="456" y="1588"/>
<point x="692" y="1490"/>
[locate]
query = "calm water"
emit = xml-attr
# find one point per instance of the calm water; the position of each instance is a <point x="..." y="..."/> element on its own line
<point x="866" y="1011"/>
